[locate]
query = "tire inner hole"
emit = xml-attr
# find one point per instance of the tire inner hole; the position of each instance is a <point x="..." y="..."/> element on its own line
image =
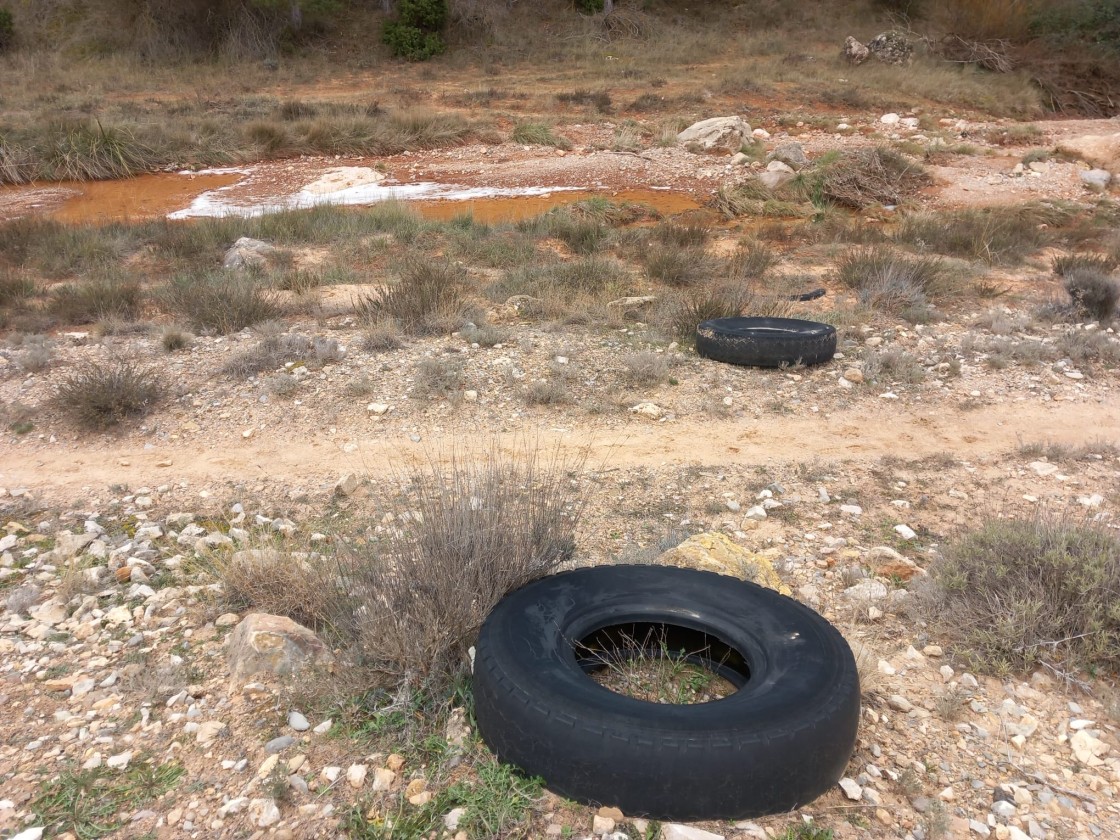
<point x="662" y="663"/>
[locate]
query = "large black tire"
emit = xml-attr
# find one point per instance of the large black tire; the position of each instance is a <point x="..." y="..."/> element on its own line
<point x="777" y="743"/>
<point x="766" y="342"/>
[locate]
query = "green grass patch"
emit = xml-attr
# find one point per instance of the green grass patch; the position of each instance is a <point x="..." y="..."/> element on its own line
<point x="89" y="802"/>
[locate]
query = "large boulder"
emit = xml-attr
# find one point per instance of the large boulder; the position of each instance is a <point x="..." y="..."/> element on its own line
<point x="1101" y="150"/>
<point x="891" y="47"/>
<point x="274" y="645"/>
<point x="726" y="134"/>
<point x="715" y="552"/>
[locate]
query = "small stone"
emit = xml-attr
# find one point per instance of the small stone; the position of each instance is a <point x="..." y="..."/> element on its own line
<point x="947" y="795"/>
<point x="601" y="825"/>
<point x="227" y="620"/>
<point x="733" y="505"/>
<point x="395" y="762"/>
<point x="933" y="650"/>
<point x="452" y="817"/>
<point x="323" y="727"/>
<point x="356" y="775"/>
<point x="119" y="761"/>
<point x="899" y="703"/>
<point x="1096" y="179"/>
<point x="377" y="408"/>
<point x="208" y="731"/>
<point x="905" y="531"/>
<point x="889" y="119"/>
<point x="675" y="831"/>
<point x="470" y="396"/>
<point x="347" y="485"/>
<point x="854" y="375"/>
<point x="851" y="510"/>
<point x="648" y="409"/>
<point x="279" y="744"/>
<point x="298" y="722"/>
<point x="264" y="812"/>
<point x="330" y="774"/>
<point x="1003" y="808"/>
<point x="851" y="790"/>
<point x="383" y="779"/>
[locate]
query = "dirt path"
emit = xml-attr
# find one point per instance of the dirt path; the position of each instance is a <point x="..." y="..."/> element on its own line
<point x="865" y="434"/>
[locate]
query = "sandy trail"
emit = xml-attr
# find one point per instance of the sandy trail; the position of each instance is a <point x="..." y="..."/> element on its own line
<point x="867" y="433"/>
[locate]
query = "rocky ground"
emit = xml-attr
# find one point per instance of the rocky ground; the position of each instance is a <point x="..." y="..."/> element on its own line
<point x="124" y="705"/>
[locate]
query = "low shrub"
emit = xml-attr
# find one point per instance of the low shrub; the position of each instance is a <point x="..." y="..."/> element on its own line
<point x="97" y="395"/>
<point x="102" y="299"/>
<point x="270" y="353"/>
<point x="173" y="339"/>
<point x="416" y="34"/>
<point x="1015" y="593"/>
<point x="682" y="235"/>
<point x="7" y="30"/>
<point x="407" y="608"/>
<point x="679" y="267"/>
<point x="888" y="280"/>
<point x="219" y="302"/>
<point x="546" y="392"/>
<point x="14" y="286"/>
<point x="1093" y="292"/>
<point x="1103" y="263"/>
<point x="428" y="299"/>
<point x="681" y="314"/>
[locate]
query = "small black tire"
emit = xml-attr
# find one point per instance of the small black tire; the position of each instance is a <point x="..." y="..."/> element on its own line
<point x="778" y="742"/>
<point x="766" y="342"/>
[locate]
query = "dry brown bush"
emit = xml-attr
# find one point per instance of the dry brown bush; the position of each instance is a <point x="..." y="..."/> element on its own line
<point x="408" y="607"/>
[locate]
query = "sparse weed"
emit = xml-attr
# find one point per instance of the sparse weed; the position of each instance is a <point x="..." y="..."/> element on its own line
<point x="440" y="377"/>
<point x="646" y="368"/>
<point x="546" y="392"/>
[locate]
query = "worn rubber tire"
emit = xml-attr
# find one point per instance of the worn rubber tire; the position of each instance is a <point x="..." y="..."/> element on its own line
<point x="777" y="743"/>
<point x="766" y="342"/>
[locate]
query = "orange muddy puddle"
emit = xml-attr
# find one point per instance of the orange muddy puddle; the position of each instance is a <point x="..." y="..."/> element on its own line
<point x="142" y="197"/>
<point x="157" y="195"/>
<point x="518" y="208"/>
